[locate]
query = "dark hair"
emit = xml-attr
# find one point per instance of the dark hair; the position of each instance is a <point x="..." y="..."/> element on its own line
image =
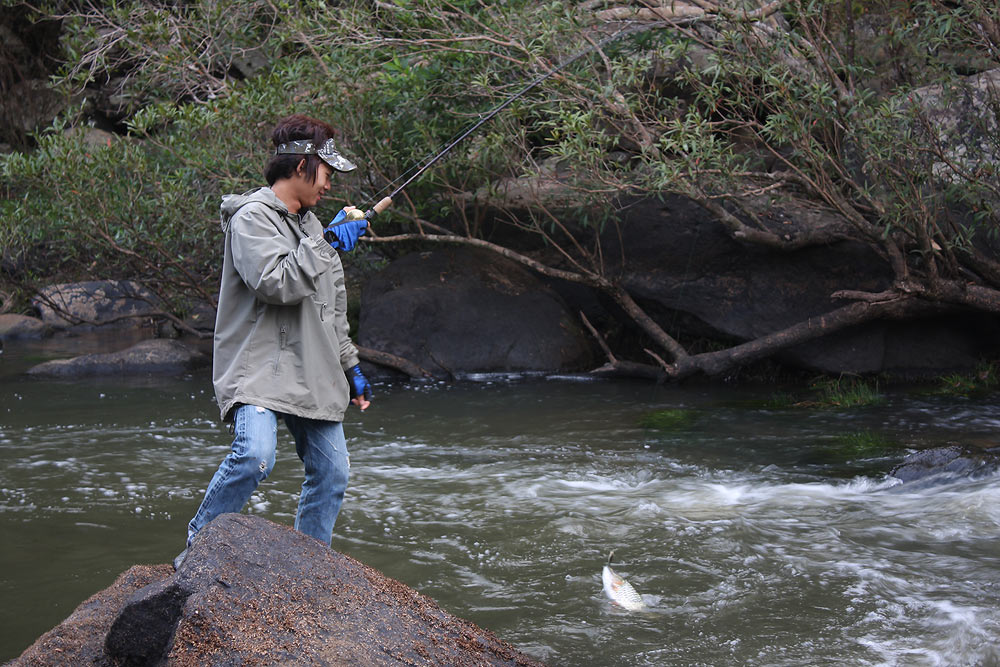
<point x="294" y="128"/>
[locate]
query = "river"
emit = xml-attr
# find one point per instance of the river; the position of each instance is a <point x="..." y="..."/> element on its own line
<point x="501" y="497"/>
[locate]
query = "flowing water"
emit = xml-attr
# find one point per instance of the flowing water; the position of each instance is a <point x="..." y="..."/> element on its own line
<point x="500" y="498"/>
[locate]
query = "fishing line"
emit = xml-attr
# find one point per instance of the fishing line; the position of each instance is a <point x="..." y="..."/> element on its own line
<point x="429" y="161"/>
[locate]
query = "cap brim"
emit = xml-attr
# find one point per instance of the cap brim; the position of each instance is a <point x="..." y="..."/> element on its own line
<point x="336" y="160"/>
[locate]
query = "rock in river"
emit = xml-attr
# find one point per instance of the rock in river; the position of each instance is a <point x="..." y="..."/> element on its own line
<point x="22" y="326"/>
<point x="158" y="355"/>
<point x="253" y="592"/>
<point x="949" y="462"/>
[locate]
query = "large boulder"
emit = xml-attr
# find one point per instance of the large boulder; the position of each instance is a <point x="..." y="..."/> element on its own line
<point x="461" y="310"/>
<point x="694" y="278"/>
<point x="13" y="325"/>
<point x="96" y="302"/>
<point x="253" y="592"/>
<point x="156" y="356"/>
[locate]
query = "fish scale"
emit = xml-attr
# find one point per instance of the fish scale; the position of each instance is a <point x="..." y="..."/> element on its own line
<point x="620" y="591"/>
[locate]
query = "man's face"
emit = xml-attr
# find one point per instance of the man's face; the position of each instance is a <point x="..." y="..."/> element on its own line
<point x="309" y="194"/>
<point x="320" y="186"/>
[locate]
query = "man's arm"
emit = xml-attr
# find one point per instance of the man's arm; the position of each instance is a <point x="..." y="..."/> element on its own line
<point x="272" y="268"/>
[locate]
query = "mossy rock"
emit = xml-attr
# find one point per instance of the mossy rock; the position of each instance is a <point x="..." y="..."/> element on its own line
<point x="668" y="420"/>
<point x="854" y="446"/>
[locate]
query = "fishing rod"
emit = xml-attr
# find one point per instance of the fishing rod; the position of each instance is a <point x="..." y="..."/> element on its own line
<point x="384" y="203"/>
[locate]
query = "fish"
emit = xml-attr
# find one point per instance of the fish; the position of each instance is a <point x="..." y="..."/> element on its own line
<point x="620" y="591"/>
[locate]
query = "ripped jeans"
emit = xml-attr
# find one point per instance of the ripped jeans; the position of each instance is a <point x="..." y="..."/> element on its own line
<point x="321" y="447"/>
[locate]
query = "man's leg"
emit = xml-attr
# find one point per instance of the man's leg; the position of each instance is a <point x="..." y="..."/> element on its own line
<point x="323" y="450"/>
<point x="247" y="465"/>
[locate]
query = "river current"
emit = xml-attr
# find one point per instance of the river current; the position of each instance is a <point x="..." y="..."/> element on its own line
<point x="501" y="497"/>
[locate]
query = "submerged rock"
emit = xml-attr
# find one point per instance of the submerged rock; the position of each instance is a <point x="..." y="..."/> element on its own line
<point x="149" y="356"/>
<point x="253" y="592"/>
<point x="950" y="461"/>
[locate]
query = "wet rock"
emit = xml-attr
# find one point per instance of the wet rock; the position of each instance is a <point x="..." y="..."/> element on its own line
<point x="98" y="302"/>
<point x="467" y="310"/>
<point x="79" y="639"/>
<point x="22" y="326"/>
<point x="159" y="356"/>
<point x="951" y="461"/>
<point x="253" y="592"/>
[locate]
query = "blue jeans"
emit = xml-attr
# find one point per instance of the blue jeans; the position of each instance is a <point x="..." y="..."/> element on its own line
<point x="320" y="445"/>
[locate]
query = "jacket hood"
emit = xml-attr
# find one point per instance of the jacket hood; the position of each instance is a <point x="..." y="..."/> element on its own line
<point x="233" y="203"/>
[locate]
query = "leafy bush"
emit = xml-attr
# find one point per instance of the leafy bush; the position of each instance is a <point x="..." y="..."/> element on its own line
<point x="743" y="105"/>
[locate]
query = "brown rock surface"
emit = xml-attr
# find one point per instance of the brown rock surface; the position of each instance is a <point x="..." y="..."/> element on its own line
<point x="79" y="639"/>
<point x="253" y="592"/>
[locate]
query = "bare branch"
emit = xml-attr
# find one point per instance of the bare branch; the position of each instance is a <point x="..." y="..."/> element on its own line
<point x="390" y="360"/>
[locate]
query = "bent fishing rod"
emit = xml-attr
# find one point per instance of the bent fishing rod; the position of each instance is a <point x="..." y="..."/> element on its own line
<point x="384" y="203"/>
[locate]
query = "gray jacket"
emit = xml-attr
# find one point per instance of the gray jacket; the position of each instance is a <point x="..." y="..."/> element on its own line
<point x="281" y="332"/>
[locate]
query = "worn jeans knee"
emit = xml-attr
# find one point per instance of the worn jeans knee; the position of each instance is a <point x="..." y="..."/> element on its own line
<point x="249" y="462"/>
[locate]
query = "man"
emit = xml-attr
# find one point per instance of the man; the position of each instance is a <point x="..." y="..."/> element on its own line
<point x="281" y="348"/>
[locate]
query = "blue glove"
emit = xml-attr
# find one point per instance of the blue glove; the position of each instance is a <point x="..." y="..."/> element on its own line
<point x="342" y="233"/>
<point x="359" y="383"/>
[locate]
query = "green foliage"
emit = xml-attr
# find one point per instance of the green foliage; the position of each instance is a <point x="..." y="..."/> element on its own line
<point x="721" y="109"/>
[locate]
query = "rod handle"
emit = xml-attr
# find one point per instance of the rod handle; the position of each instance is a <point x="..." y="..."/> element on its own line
<point x="358" y="214"/>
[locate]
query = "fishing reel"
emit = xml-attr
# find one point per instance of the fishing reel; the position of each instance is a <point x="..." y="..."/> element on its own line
<point x="358" y="214"/>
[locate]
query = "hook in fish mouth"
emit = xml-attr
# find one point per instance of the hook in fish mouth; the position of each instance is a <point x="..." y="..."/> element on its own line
<point x="610" y="556"/>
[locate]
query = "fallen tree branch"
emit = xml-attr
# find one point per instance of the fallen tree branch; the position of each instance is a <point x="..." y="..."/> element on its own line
<point x="393" y="361"/>
<point x="630" y="369"/>
<point x="715" y="363"/>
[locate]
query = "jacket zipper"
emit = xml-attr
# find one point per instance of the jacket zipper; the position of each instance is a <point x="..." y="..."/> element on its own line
<point x="282" y="337"/>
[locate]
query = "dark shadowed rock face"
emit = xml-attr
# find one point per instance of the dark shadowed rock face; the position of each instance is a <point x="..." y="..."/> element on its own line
<point x="696" y="279"/>
<point x="464" y="310"/>
<point x="157" y="356"/>
<point x="253" y="592"/>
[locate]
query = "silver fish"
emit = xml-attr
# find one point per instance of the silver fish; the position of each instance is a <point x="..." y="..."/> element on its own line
<point x="620" y="591"/>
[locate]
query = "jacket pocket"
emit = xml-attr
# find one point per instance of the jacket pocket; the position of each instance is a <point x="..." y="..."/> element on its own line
<point x="320" y="307"/>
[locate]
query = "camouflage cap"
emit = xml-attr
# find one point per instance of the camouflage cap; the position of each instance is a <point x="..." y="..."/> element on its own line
<point x="327" y="152"/>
